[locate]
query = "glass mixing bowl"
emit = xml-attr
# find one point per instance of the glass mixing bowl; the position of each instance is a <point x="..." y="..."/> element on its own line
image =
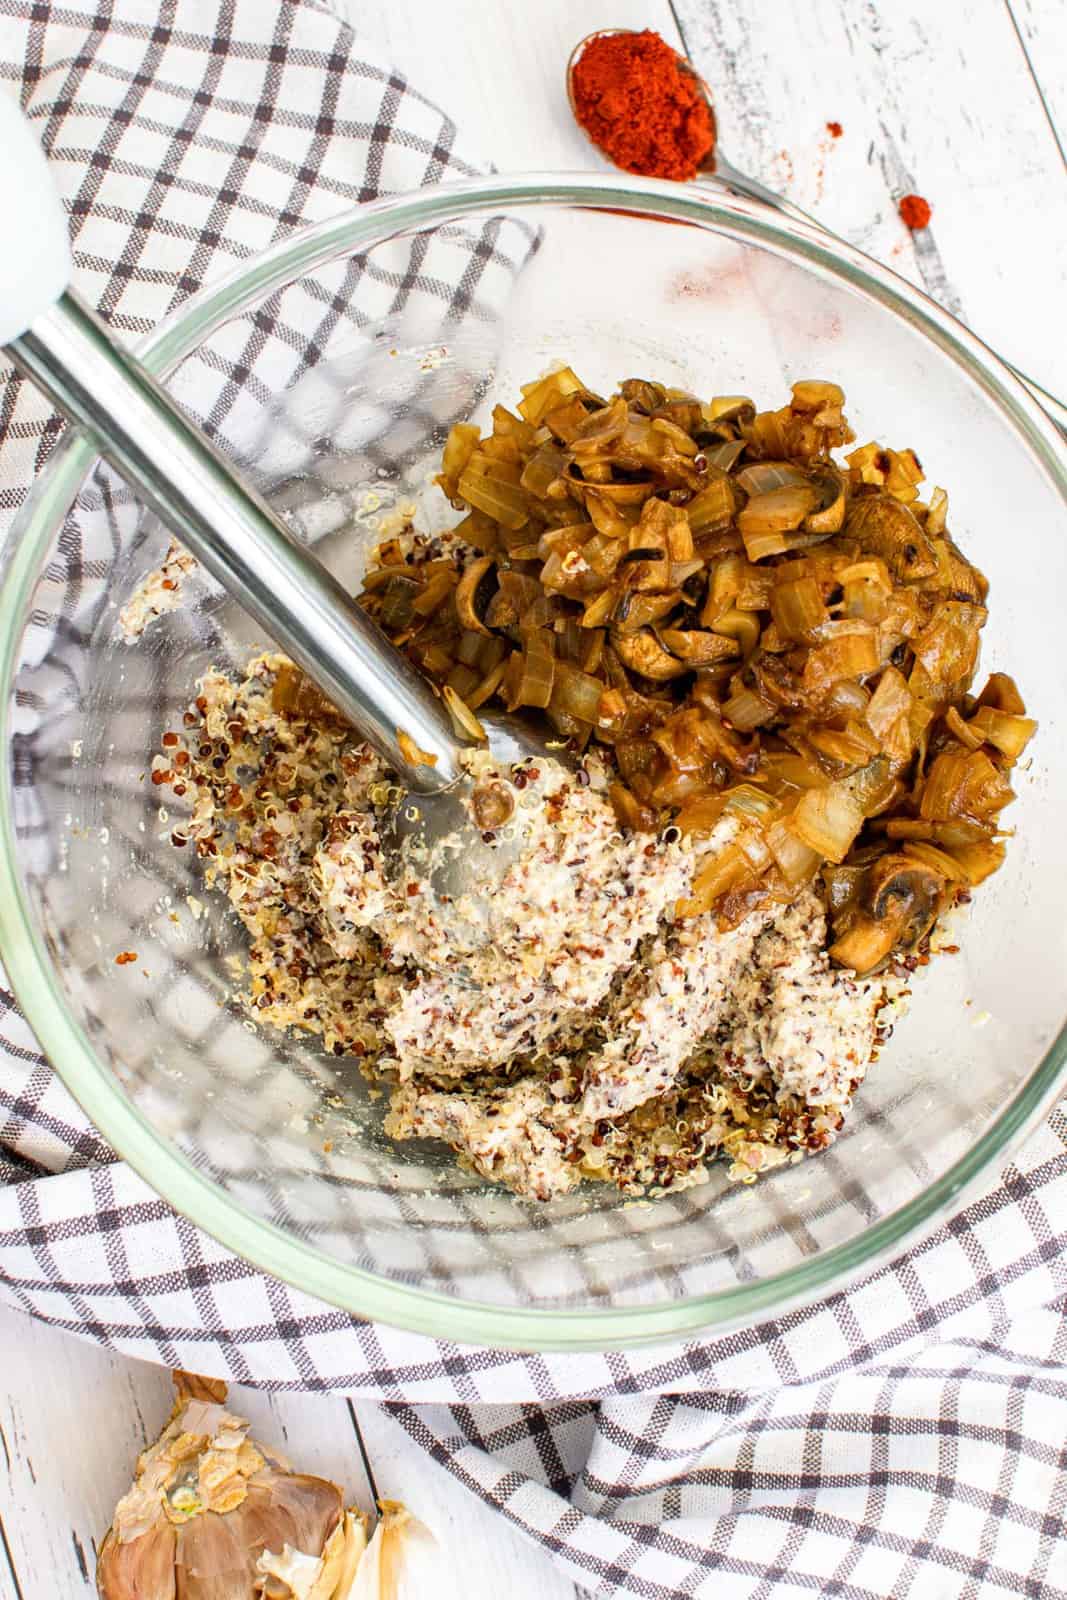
<point x="331" y="368"/>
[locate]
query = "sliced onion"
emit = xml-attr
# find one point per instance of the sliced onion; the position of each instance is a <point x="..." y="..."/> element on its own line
<point x="1002" y="694"/>
<point x="797" y="861"/>
<point x="713" y="507"/>
<point x="677" y="436"/>
<point x="828" y="820"/>
<point x="542" y="470"/>
<point x="726" y="455"/>
<point x="760" y="477"/>
<point x="846" y="747"/>
<point x="847" y="698"/>
<point x="601" y="429"/>
<point x="812" y="394"/>
<point x="634" y="551"/>
<point x="628" y="809"/>
<point x="547" y="394"/>
<point x="871" y="785"/>
<point x="1008" y="733"/>
<point x="964" y="784"/>
<point x="746" y="710"/>
<point x="753" y="846"/>
<point x="576" y="692"/>
<point x="599" y="609"/>
<point x="969" y="737"/>
<point x="463" y="438"/>
<point x="889" y="715"/>
<point x="434" y="594"/>
<point x="797" y="608"/>
<point x="853" y="656"/>
<point x="505" y="502"/>
<point x="700" y="817"/>
<point x="939" y="860"/>
<point x="564" y="421"/>
<point x="488" y="686"/>
<point x="979" y="861"/>
<point x="777" y="510"/>
<point x="936" y="514"/>
<point x="745" y="800"/>
<point x="531" y="673"/>
<point x="463" y="679"/>
<point x="719" y="873"/>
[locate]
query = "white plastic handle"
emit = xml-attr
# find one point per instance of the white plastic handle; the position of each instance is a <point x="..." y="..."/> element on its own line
<point x="35" y="262"/>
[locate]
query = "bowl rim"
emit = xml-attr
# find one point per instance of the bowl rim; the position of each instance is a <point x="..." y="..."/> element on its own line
<point x="172" y="1174"/>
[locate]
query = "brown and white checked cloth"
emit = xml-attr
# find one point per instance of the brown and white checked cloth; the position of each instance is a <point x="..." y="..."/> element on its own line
<point x="908" y="1439"/>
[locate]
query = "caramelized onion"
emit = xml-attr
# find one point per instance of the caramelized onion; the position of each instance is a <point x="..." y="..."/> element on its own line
<point x="745" y="626"/>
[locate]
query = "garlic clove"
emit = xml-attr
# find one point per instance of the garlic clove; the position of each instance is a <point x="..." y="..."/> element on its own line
<point x="142" y="1569"/>
<point x="291" y="1509"/>
<point x="341" y="1558"/>
<point x="402" y="1560"/>
<point x="213" y="1560"/>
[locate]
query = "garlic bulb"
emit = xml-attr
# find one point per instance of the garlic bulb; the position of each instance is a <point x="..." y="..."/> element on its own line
<point x="214" y="1515"/>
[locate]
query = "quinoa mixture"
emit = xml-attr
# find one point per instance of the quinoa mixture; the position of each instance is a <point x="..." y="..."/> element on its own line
<point x="591" y="1035"/>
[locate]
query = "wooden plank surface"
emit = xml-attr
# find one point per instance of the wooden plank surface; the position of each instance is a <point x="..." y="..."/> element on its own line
<point x="1042" y="30"/>
<point x="960" y="102"/>
<point x="934" y="99"/>
<point x="937" y="100"/>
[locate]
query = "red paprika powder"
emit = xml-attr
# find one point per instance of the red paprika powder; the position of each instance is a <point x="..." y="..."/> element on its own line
<point x="636" y="99"/>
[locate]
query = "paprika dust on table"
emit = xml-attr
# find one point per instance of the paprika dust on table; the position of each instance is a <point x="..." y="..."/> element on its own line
<point x="637" y="100"/>
<point x="915" y="212"/>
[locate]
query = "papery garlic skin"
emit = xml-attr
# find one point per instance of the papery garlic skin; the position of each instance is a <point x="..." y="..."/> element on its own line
<point x="291" y="1576"/>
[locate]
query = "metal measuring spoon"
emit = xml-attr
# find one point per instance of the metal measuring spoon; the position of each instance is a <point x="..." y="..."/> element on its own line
<point x="61" y="345"/>
<point x="716" y="165"/>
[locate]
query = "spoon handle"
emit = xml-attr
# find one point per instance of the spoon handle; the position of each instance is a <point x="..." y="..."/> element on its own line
<point x="729" y="175"/>
<point x="65" y="349"/>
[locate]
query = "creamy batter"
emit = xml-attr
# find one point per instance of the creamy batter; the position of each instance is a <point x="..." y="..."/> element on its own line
<point x="583" y="1031"/>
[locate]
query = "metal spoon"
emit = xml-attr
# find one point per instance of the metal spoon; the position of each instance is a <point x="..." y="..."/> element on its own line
<point x="65" y="349"/>
<point x="716" y="165"/>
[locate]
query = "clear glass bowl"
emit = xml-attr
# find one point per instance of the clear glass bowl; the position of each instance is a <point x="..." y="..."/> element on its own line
<point x="355" y="344"/>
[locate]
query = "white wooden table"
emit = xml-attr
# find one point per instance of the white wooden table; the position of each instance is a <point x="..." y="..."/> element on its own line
<point x="965" y="103"/>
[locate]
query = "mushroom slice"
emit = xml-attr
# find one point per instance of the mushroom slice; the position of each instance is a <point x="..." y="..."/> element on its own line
<point x="634" y="610"/>
<point x="830" y="517"/>
<point x="643" y="653"/>
<point x="699" y="649"/>
<point x="888" y="529"/>
<point x="643" y="395"/>
<point x="725" y="415"/>
<point x="473" y="593"/>
<point x="900" y="902"/>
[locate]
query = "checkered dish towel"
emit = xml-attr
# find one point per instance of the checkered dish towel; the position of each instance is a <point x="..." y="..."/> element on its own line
<point x="907" y="1439"/>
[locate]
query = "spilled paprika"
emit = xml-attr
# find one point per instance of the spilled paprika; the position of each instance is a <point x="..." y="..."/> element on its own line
<point x="637" y="100"/>
<point x="915" y="212"/>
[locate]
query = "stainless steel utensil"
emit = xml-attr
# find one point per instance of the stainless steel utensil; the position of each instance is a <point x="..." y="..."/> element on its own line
<point x="63" y="347"/>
